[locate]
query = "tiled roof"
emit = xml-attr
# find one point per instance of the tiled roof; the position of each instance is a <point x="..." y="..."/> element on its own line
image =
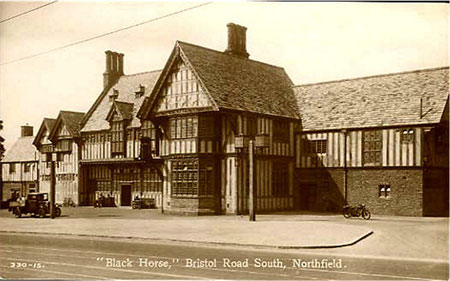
<point x="22" y="150"/>
<point x="48" y="124"/>
<point x="126" y="88"/>
<point x="242" y="84"/>
<point x="383" y="100"/>
<point x="125" y="109"/>
<point x="72" y="120"/>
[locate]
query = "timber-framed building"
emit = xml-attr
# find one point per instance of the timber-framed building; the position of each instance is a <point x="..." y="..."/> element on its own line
<point x="19" y="168"/>
<point x="60" y="135"/>
<point x="176" y="135"/>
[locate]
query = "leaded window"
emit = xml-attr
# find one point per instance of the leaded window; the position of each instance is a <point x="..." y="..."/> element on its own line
<point x="407" y="135"/>
<point x="183" y="127"/>
<point x="384" y="190"/>
<point x="372" y="148"/>
<point x="117" y="138"/>
<point x="314" y="146"/>
<point x="184" y="177"/>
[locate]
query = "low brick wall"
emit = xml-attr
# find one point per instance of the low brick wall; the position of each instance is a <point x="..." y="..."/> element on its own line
<point x="192" y="206"/>
<point x="405" y="198"/>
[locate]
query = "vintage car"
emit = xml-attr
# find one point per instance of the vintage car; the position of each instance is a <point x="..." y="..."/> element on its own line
<point x="36" y="204"/>
<point x="105" y="202"/>
<point x="143" y="203"/>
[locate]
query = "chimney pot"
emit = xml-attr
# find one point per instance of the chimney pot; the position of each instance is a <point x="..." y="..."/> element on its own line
<point x="120" y="61"/>
<point x="26" y="131"/>
<point x="237" y="40"/>
<point x="114" y="62"/>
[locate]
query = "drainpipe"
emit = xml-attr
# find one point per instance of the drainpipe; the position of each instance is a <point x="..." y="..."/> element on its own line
<point x="345" y="165"/>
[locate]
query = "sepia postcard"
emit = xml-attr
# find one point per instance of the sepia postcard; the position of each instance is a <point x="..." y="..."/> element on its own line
<point x="224" y="140"/>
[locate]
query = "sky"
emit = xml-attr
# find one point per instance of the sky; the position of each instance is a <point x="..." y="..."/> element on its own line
<point x="313" y="42"/>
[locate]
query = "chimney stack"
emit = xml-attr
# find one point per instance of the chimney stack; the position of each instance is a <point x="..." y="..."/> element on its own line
<point x="237" y="41"/>
<point x="26" y="131"/>
<point x="114" y="68"/>
<point x="120" y="61"/>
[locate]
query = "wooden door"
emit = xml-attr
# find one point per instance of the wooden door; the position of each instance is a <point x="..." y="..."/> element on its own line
<point x="125" y="198"/>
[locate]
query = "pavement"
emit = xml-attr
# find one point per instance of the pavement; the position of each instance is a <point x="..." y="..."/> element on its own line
<point x="395" y="237"/>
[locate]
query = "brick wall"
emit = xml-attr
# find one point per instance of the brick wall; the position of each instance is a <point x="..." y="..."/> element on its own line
<point x="192" y="206"/>
<point x="405" y="197"/>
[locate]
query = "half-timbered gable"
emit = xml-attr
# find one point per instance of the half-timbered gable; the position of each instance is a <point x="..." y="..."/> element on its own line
<point x="20" y="166"/>
<point x="388" y="125"/>
<point x="58" y="136"/>
<point x="44" y="145"/>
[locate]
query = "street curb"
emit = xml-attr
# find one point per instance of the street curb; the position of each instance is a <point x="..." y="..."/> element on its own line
<point x="194" y="241"/>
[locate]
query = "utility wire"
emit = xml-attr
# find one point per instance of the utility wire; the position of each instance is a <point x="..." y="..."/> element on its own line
<point x="26" y="12"/>
<point x="105" y="34"/>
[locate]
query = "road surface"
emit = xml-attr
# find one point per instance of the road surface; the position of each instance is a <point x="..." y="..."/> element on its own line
<point x="70" y="257"/>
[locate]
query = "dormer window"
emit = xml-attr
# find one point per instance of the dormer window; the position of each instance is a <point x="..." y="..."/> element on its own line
<point x="113" y="96"/>
<point x="140" y="92"/>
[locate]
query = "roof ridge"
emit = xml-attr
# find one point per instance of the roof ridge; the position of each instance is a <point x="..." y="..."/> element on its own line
<point x="216" y="51"/>
<point x="69" y="111"/>
<point x="373" y="76"/>
<point x="139" y="73"/>
<point x="118" y="101"/>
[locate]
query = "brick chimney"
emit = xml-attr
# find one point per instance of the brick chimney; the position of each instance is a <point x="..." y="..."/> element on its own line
<point x="26" y="131"/>
<point x="114" y="68"/>
<point x="237" y="41"/>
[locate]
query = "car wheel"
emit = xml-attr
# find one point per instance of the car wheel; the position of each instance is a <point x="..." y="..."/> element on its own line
<point x="42" y="213"/>
<point x="18" y="212"/>
<point x="58" y="212"/>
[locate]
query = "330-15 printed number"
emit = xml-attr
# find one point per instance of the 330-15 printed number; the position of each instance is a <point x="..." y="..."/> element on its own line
<point x="25" y="265"/>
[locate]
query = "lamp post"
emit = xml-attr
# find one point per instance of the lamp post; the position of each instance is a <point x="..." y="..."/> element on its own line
<point x="242" y="142"/>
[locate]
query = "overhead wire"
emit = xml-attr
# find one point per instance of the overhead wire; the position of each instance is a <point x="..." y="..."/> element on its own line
<point x="106" y="34"/>
<point x="27" y="12"/>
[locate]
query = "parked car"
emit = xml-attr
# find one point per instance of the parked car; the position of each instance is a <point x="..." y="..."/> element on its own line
<point x="68" y="202"/>
<point x="36" y="204"/>
<point x="143" y="203"/>
<point x="105" y="202"/>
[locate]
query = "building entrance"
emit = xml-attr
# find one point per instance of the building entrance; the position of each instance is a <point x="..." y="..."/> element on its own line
<point x="125" y="196"/>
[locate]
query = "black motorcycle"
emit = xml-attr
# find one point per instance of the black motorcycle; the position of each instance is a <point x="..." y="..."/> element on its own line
<point x="359" y="211"/>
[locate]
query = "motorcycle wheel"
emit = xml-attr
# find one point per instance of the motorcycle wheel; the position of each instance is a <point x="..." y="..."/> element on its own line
<point x="18" y="212"/>
<point x="346" y="213"/>
<point x="41" y="213"/>
<point x="366" y="214"/>
<point x="58" y="212"/>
